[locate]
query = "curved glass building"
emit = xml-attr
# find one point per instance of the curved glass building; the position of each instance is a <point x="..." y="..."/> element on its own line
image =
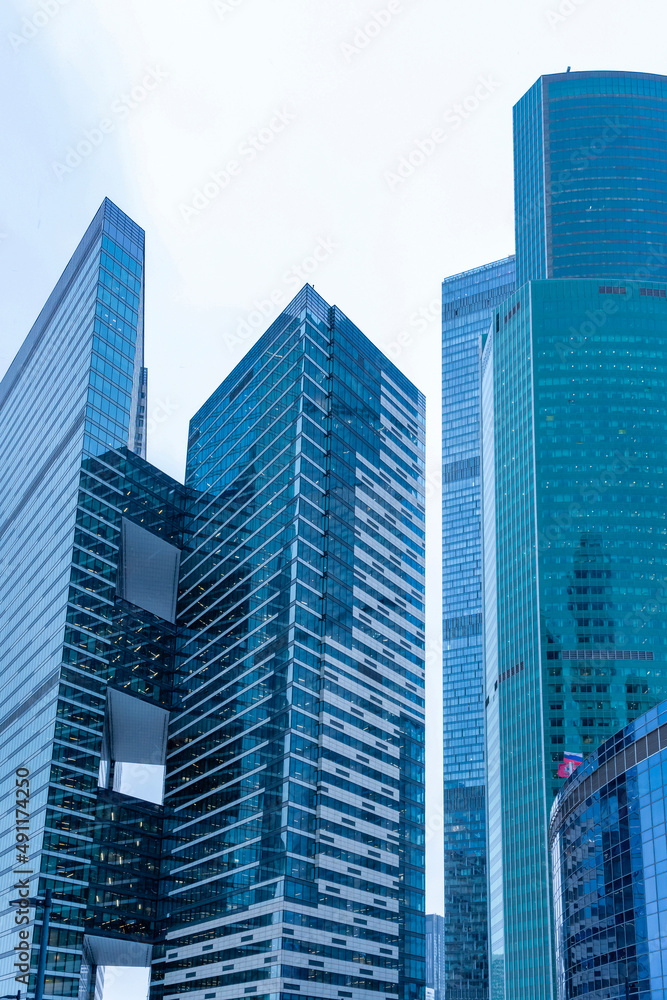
<point x="609" y="858"/>
<point x="590" y="152"/>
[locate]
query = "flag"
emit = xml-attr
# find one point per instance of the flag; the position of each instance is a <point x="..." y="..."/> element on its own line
<point x="569" y="763"/>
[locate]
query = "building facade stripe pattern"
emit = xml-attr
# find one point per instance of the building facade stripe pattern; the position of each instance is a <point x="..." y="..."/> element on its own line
<point x="295" y="771"/>
<point x="573" y="382"/>
<point x="271" y="609"/>
<point x="468" y="300"/>
<point x="64" y="494"/>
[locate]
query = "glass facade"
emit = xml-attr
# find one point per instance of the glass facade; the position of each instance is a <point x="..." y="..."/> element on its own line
<point x="294" y="833"/>
<point x="435" y="955"/>
<point x="573" y="393"/>
<point x="255" y="638"/>
<point x="590" y="169"/>
<point x="609" y="859"/>
<point x="468" y="301"/>
<point x="72" y="418"/>
<point x="571" y="382"/>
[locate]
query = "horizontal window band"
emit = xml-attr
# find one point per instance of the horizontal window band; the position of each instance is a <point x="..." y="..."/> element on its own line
<point x="599" y="654"/>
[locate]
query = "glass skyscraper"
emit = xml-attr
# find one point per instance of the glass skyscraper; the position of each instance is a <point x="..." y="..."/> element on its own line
<point x="574" y="557"/>
<point x="257" y="635"/>
<point x="295" y="784"/>
<point x="435" y="955"/>
<point x="573" y="431"/>
<point x="468" y="301"/>
<point x="77" y="658"/>
<point x="590" y="192"/>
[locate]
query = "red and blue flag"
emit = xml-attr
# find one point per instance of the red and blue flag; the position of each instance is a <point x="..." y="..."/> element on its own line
<point x="569" y="763"/>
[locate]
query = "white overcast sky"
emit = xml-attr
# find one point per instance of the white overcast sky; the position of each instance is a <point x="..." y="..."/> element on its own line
<point x="353" y="100"/>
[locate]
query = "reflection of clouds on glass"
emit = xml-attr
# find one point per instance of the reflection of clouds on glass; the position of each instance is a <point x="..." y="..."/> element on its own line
<point x="121" y="983"/>
<point x="142" y="781"/>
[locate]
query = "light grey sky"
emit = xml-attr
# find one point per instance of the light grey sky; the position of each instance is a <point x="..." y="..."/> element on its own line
<point x="315" y="102"/>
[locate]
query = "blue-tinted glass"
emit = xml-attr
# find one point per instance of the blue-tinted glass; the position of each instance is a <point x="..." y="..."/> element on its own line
<point x="295" y="778"/>
<point x="572" y="465"/>
<point x="71" y="418"/>
<point x="294" y="672"/>
<point x="609" y="891"/>
<point x="590" y="163"/>
<point x="468" y="303"/>
<point x="574" y="457"/>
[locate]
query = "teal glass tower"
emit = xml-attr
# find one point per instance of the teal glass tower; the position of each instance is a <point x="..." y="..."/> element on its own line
<point x="468" y="301"/>
<point x="295" y="779"/>
<point x="575" y="644"/>
<point x="573" y="381"/>
<point x="589" y="177"/>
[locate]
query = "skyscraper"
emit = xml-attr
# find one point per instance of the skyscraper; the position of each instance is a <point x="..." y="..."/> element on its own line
<point x="573" y="432"/>
<point x="435" y="955"/>
<point x="589" y="177"/>
<point x="86" y="642"/>
<point x="468" y="301"/>
<point x="282" y="692"/>
<point x="295" y="779"/>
